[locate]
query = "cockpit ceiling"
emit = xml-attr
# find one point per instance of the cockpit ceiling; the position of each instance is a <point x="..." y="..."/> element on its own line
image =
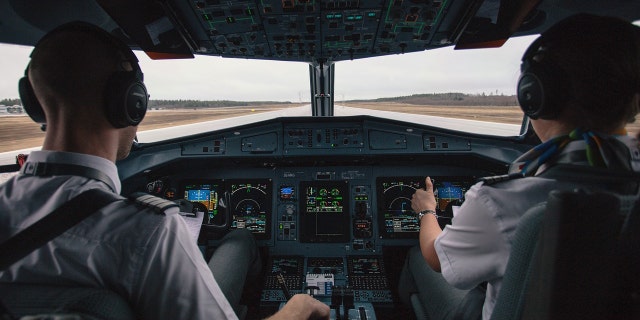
<point x="320" y="30"/>
<point x="298" y="30"/>
<point x="290" y="30"/>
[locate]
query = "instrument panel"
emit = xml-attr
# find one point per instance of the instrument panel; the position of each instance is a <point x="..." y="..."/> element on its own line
<point x="324" y="230"/>
<point x="291" y="207"/>
<point x="328" y="200"/>
<point x="343" y="184"/>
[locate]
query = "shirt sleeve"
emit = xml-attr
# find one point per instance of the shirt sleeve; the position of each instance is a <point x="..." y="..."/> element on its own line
<point x="175" y="281"/>
<point x="472" y="249"/>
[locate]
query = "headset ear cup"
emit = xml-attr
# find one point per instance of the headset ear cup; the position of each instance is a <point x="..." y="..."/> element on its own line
<point x="531" y="95"/>
<point x="126" y="100"/>
<point x="30" y="102"/>
<point x="540" y="91"/>
<point x="137" y="102"/>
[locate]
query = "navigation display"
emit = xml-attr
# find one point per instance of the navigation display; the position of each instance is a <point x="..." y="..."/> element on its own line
<point x="395" y="216"/>
<point x="324" y="213"/>
<point x="251" y="206"/>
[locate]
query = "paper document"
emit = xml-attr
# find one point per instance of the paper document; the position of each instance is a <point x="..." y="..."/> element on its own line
<point x="194" y="223"/>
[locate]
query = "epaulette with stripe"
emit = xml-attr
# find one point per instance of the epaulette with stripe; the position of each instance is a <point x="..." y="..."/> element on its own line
<point x="157" y="204"/>
<point x="504" y="177"/>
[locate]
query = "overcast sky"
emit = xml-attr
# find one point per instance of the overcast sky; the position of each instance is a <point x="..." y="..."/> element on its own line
<point x="214" y="78"/>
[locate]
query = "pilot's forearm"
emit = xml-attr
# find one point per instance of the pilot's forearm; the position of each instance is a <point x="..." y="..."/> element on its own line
<point x="429" y="231"/>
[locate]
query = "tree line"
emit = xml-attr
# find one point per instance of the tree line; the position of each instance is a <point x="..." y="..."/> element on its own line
<point x="10" y="102"/>
<point x="450" y="98"/>
<point x="195" y="104"/>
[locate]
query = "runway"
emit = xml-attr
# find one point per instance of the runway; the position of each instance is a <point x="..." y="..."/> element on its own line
<point x="150" y="136"/>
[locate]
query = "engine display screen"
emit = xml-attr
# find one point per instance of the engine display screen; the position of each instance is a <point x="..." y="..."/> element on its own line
<point x="395" y="216"/>
<point x="324" y="213"/>
<point x="251" y="206"/>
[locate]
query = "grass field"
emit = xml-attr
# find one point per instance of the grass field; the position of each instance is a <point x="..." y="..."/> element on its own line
<point x="19" y="132"/>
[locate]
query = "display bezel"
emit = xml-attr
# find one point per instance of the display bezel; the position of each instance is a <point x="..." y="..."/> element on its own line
<point x="267" y="202"/>
<point x="213" y="216"/>
<point x="309" y="220"/>
<point x="409" y="219"/>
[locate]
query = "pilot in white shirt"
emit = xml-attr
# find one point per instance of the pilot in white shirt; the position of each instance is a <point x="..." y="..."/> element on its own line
<point x="124" y="247"/>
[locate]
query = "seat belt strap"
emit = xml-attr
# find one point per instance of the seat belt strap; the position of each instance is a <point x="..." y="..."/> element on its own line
<point x="54" y="224"/>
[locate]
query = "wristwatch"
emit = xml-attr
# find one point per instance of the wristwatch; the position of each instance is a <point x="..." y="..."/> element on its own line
<point x="428" y="211"/>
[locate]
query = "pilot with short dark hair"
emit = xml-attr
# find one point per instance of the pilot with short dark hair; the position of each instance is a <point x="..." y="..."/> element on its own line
<point x="580" y="85"/>
<point x="89" y="86"/>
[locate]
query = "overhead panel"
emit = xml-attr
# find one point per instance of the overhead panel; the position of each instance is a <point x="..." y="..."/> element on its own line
<point x="310" y="31"/>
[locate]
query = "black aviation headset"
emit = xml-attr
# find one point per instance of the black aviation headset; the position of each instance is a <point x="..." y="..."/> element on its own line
<point x="542" y="87"/>
<point x="125" y="95"/>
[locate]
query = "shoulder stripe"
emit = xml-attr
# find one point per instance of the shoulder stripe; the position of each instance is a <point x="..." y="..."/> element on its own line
<point x="158" y="205"/>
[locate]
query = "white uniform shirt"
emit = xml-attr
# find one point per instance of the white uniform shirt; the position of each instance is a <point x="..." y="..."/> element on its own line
<point x="476" y="246"/>
<point x="148" y="258"/>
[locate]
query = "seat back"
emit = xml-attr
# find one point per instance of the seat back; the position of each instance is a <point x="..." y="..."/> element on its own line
<point x="519" y="275"/>
<point x="510" y="300"/>
<point x="587" y="261"/>
<point x="575" y="256"/>
<point x="88" y="303"/>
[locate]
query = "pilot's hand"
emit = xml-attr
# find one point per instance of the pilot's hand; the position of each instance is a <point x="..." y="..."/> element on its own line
<point x="424" y="199"/>
<point x="302" y="306"/>
<point x="185" y="206"/>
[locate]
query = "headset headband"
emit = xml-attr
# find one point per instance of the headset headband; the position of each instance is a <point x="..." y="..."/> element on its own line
<point x="93" y="29"/>
<point x="126" y="96"/>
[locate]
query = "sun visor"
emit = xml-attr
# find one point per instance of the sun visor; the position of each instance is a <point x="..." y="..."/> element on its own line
<point x="493" y="31"/>
<point x="151" y="25"/>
